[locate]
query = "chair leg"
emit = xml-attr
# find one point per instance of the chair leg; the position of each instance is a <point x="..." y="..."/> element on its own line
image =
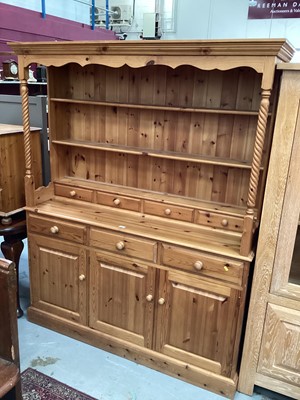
<point x="18" y="390"/>
<point x="12" y="250"/>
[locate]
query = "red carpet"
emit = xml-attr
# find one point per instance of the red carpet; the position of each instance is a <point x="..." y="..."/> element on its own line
<point x="37" y="386"/>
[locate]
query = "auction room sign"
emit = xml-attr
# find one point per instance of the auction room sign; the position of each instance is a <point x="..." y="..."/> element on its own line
<point x="264" y="9"/>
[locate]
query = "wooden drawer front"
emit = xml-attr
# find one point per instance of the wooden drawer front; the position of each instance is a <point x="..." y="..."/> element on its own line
<point x="202" y="264"/>
<point x="124" y="244"/>
<point x="168" y="211"/>
<point x="219" y="221"/>
<point x="113" y="200"/>
<point x="56" y="229"/>
<point x="74" y="192"/>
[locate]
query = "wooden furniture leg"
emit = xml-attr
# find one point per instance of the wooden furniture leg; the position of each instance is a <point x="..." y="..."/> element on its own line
<point x="12" y="249"/>
<point x="10" y="378"/>
<point x="12" y="246"/>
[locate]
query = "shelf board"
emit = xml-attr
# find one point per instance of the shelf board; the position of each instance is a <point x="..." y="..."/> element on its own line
<point x="156" y="107"/>
<point x="216" y="161"/>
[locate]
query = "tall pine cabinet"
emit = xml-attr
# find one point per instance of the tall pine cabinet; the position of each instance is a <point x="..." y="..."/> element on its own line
<point x="271" y="355"/>
<point x="142" y="242"/>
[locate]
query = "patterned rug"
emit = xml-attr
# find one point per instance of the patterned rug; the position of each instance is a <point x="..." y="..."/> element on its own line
<point x="37" y="386"/>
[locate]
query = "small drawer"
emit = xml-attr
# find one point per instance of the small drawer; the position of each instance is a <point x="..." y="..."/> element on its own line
<point x="203" y="264"/>
<point x="56" y="229"/>
<point x="219" y="221"/>
<point x="168" y="211"/>
<point x="113" y="200"/>
<point x="124" y="244"/>
<point x="73" y="192"/>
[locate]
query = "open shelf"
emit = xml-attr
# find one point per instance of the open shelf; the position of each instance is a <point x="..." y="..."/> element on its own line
<point x="155" y="107"/>
<point x="155" y="153"/>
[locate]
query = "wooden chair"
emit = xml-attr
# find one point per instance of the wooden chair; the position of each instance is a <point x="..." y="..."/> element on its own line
<point x="10" y="381"/>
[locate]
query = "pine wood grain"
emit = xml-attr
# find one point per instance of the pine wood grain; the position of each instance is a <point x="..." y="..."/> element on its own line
<point x="12" y="165"/>
<point x="279" y="356"/>
<point x="146" y="140"/>
<point x="55" y="271"/>
<point x="274" y="255"/>
<point x="118" y="304"/>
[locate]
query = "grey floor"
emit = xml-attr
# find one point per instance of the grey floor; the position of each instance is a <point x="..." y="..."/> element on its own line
<point x="96" y="372"/>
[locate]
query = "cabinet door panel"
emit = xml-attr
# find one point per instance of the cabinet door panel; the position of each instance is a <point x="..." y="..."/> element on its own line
<point x="58" y="273"/>
<point x="280" y="350"/>
<point x="286" y="270"/>
<point x="119" y="292"/>
<point x="197" y="321"/>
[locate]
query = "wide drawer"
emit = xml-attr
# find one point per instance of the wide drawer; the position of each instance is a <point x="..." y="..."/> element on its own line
<point x="168" y="211"/>
<point x="124" y="244"/>
<point x="124" y="202"/>
<point x="202" y="264"/>
<point x="56" y="228"/>
<point x="73" y="192"/>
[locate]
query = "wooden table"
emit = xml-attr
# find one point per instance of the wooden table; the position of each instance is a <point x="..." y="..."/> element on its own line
<point x="12" y="246"/>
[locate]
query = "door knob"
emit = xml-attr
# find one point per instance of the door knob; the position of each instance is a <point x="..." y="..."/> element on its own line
<point x="224" y="222"/>
<point x="149" y="297"/>
<point x="54" y="229"/>
<point x="198" y="265"/>
<point x="120" y="245"/>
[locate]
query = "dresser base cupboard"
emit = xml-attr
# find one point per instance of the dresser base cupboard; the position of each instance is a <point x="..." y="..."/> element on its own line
<point x="142" y="242"/>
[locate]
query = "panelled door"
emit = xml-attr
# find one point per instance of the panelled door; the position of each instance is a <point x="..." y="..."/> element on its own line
<point x="58" y="275"/>
<point x="280" y="350"/>
<point x="197" y="321"/>
<point x="121" y="296"/>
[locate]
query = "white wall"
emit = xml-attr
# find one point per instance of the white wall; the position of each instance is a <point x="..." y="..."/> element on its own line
<point x="216" y="19"/>
<point x="68" y="9"/>
<point x="34" y="5"/>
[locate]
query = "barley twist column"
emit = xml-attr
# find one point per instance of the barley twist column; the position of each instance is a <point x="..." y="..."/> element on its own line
<point x="246" y="242"/>
<point x="258" y="149"/>
<point x="29" y="183"/>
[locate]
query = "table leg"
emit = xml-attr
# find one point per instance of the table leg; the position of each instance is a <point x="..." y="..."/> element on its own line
<point x="12" y="250"/>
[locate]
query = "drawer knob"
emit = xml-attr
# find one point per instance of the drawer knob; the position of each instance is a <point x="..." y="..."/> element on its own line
<point x="54" y="229"/>
<point x="120" y="245"/>
<point x="117" y="202"/>
<point x="161" y="301"/>
<point x="168" y="211"/>
<point x="226" y="269"/>
<point x="149" y="297"/>
<point x="224" y="222"/>
<point x="72" y="193"/>
<point x="198" y="265"/>
<point x="81" y="277"/>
